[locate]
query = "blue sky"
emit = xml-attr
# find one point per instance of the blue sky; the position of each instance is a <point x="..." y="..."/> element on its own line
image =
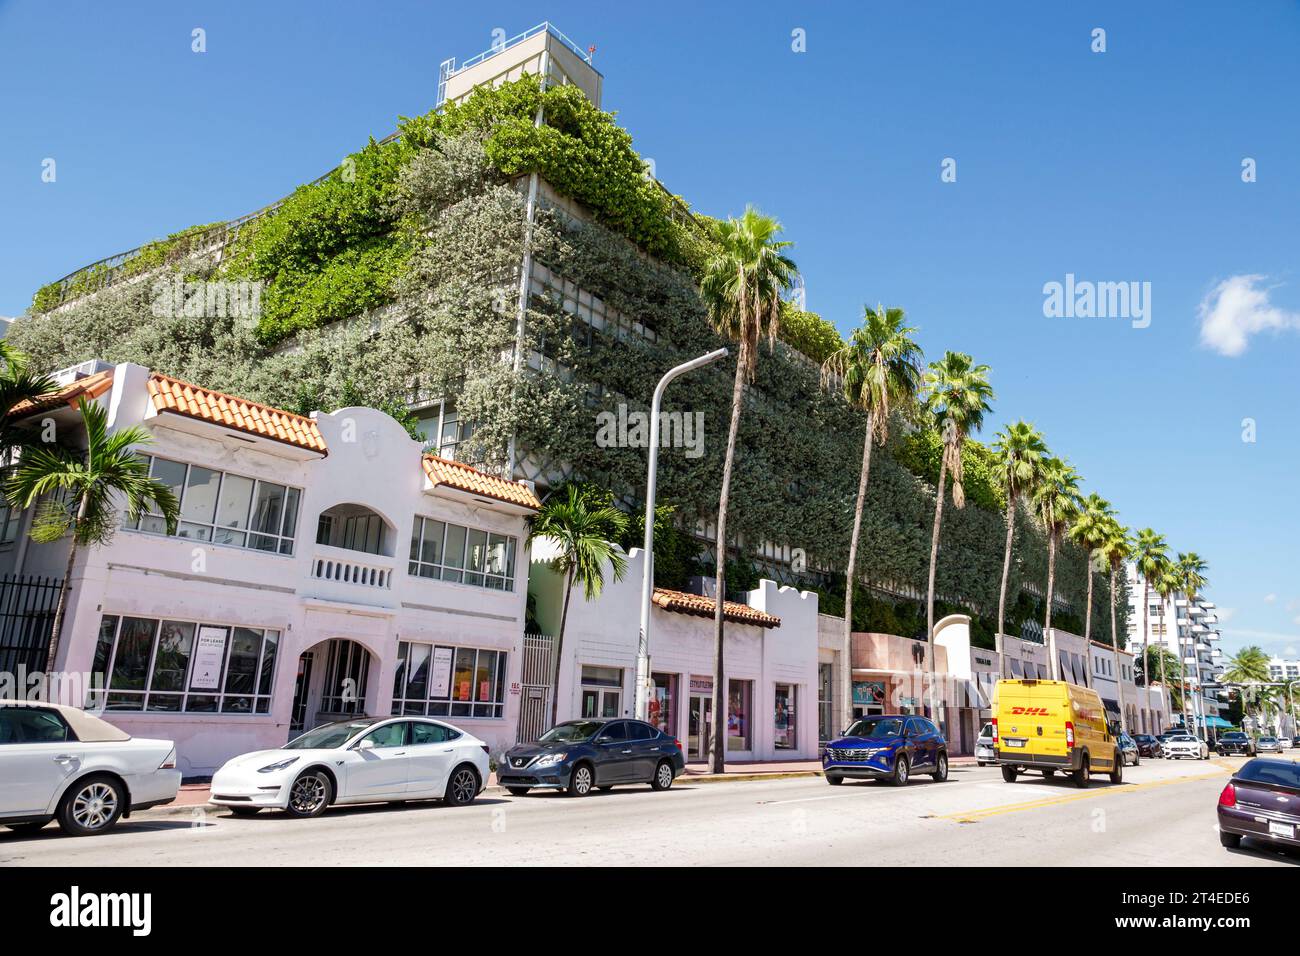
<point x="1117" y="166"/>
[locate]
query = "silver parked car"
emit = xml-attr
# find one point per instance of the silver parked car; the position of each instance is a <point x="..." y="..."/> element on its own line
<point x="61" y="762"/>
<point x="1268" y="744"/>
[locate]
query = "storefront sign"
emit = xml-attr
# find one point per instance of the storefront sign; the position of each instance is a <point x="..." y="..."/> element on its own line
<point x="868" y="693"/>
<point x="701" y="685"/>
<point x="441" y="672"/>
<point x="209" y="654"/>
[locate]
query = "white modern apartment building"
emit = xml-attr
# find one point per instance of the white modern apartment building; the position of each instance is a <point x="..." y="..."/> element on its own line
<point x="1192" y="633"/>
<point x="323" y="566"/>
<point x="1282" y="669"/>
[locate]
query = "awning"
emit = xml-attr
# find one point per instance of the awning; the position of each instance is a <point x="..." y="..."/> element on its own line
<point x="1215" y="722"/>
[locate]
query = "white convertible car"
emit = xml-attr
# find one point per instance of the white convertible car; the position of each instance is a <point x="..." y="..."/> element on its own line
<point x="365" y="760"/>
<point x="58" y="761"/>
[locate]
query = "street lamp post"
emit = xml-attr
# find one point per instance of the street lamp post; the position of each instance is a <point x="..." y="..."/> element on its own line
<point x="648" y="574"/>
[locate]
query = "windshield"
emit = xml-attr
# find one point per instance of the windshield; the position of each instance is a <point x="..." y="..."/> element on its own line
<point x="877" y="727"/>
<point x="987" y="731"/>
<point x="1235" y="735"/>
<point x="571" y="732"/>
<point x="329" y="736"/>
<point x="1267" y="740"/>
<point x="1182" y="738"/>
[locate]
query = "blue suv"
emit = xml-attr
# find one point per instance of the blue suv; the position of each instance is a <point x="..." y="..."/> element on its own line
<point x="889" y="747"/>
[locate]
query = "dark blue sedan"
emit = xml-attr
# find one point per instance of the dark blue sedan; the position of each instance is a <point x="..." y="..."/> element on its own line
<point x="889" y="748"/>
<point x="577" y="755"/>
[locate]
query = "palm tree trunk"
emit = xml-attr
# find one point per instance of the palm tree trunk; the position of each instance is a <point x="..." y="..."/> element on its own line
<point x="56" y="626"/>
<point x="1182" y="660"/>
<point x="559" y="646"/>
<point x="719" y="690"/>
<point x="1053" y="665"/>
<point x="1114" y="646"/>
<point x="850" y="579"/>
<point x="1087" y="620"/>
<point x="1006" y="573"/>
<point x="929" y="599"/>
<point x="1146" y="619"/>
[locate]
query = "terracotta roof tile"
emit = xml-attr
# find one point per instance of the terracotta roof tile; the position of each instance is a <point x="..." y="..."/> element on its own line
<point x="454" y="474"/>
<point x="193" y="401"/>
<point x="92" y="386"/>
<point x="701" y="606"/>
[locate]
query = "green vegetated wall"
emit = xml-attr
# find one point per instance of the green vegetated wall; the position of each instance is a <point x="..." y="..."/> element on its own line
<point x="427" y="232"/>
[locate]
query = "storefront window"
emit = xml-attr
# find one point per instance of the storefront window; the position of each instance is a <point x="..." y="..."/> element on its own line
<point x="663" y="703"/>
<point x="740" y="699"/>
<point x="784" y="718"/>
<point x="185" y="666"/>
<point x="440" y="681"/>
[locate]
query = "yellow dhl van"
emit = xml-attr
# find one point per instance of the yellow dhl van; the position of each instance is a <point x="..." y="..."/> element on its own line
<point x="1051" y="725"/>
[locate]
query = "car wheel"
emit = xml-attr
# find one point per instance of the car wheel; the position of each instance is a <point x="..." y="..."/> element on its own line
<point x="517" y="791"/>
<point x="1083" y="776"/>
<point x="902" y="769"/>
<point x="1117" y="769"/>
<point x="92" y="806"/>
<point x="462" y="788"/>
<point x="834" y="780"/>
<point x="310" y="794"/>
<point x="1009" y="774"/>
<point x="32" y="826"/>
<point x="244" y="811"/>
<point x="941" y="768"/>
<point x="663" y="778"/>
<point x="979" y="763"/>
<point x="580" y="782"/>
<point x="1230" y="840"/>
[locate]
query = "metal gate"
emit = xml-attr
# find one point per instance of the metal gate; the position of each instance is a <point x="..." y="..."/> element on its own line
<point x="535" y="686"/>
<point x="26" y="614"/>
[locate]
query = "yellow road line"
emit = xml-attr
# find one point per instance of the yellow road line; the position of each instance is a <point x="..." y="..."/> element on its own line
<point x="972" y="816"/>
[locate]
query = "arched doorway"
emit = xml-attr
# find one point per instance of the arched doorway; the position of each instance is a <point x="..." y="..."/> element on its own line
<point x="331" y="684"/>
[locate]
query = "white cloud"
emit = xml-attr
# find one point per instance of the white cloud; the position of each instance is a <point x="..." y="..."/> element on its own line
<point x="1238" y="308"/>
<point x="1270" y="598"/>
<point x="1226" y="614"/>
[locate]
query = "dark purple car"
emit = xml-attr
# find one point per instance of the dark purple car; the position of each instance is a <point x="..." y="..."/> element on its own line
<point x="1262" y="801"/>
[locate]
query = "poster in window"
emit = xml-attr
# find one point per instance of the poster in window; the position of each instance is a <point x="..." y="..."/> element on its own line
<point x="441" y="672"/>
<point x="209" y="653"/>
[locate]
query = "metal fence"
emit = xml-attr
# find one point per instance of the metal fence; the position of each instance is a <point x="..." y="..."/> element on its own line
<point x="26" y="614"/>
<point x="536" y="674"/>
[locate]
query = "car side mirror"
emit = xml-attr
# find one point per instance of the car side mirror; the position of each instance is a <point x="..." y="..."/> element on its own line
<point x="366" y="744"/>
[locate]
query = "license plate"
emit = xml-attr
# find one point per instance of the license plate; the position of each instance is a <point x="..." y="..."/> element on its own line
<point x="1281" y="829"/>
<point x="1013" y="743"/>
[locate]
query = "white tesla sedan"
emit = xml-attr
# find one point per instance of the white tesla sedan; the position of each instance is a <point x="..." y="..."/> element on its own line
<point x="61" y="762"/>
<point x="365" y="760"/>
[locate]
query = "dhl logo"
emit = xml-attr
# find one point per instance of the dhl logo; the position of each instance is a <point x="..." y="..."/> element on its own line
<point x="1029" y="711"/>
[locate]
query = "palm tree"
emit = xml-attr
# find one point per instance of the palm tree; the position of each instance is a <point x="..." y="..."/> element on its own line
<point x="77" y="491"/>
<point x="1248" y="666"/>
<point x="879" y="369"/>
<point x="957" y="398"/>
<point x="583" y="532"/>
<point x="1190" y="572"/>
<point x="742" y="286"/>
<point x="1115" y="550"/>
<point x="18" y="384"/>
<point x="1056" y="496"/>
<point x="1090" y="528"/>
<point x="1018" y="452"/>
<point x="1149" y="558"/>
